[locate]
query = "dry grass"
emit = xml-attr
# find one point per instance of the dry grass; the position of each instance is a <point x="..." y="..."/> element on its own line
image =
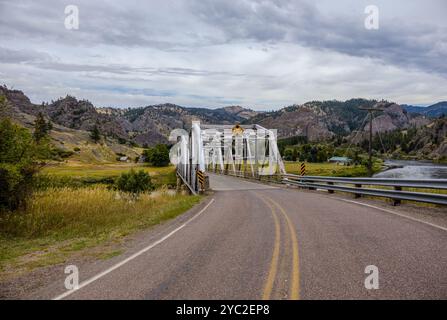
<point x="79" y="174"/>
<point x="58" y="222"/>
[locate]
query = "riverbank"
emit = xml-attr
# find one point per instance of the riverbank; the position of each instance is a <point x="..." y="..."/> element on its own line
<point x="410" y="169"/>
<point x="331" y="169"/>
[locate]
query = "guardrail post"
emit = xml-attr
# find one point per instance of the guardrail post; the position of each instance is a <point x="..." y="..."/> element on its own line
<point x="357" y="195"/>
<point x="330" y="183"/>
<point x="179" y="183"/>
<point x="397" y="202"/>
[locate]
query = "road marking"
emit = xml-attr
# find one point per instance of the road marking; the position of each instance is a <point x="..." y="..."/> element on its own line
<point x="116" y="266"/>
<point x="295" y="283"/>
<point x="275" y="256"/>
<point x="395" y="213"/>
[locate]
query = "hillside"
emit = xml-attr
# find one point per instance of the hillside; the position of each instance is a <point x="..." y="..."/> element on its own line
<point x="74" y="141"/>
<point x="152" y="124"/>
<point x="434" y="111"/>
<point x="430" y="141"/>
<point x="145" y="125"/>
<point x="320" y="120"/>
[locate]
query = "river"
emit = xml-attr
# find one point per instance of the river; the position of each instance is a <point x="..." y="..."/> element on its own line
<point x="413" y="170"/>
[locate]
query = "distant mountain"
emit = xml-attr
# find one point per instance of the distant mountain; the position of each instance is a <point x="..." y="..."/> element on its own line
<point x="320" y="120"/>
<point x="153" y="124"/>
<point x="316" y="120"/>
<point x="145" y="125"/>
<point x="434" y="111"/>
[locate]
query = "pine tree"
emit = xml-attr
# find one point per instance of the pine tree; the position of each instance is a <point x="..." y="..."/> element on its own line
<point x="41" y="128"/>
<point x="95" y="134"/>
<point x="4" y="107"/>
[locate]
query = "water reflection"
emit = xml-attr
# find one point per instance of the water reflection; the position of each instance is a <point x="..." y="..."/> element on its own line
<point x="414" y="170"/>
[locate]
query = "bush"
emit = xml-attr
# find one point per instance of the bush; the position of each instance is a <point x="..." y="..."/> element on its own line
<point x="63" y="153"/>
<point x="134" y="182"/>
<point x="17" y="164"/>
<point x="157" y="156"/>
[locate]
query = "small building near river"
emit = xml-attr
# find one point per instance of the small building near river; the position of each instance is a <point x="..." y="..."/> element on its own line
<point x="345" y="161"/>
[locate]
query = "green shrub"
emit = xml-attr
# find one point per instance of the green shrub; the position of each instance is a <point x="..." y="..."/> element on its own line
<point x="157" y="156"/>
<point x="17" y="164"/>
<point x="134" y="182"/>
<point x="63" y="153"/>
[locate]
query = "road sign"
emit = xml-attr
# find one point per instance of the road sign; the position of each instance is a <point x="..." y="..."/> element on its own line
<point x="303" y="169"/>
<point x="201" y="178"/>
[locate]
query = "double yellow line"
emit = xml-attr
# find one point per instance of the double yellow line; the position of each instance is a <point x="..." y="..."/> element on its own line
<point x="295" y="275"/>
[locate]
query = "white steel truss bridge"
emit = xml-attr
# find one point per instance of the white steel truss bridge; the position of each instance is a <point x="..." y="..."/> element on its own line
<point x="241" y="150"/>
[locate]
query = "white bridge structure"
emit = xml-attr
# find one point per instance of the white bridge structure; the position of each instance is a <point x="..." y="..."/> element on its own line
<point x="240" y="150"/>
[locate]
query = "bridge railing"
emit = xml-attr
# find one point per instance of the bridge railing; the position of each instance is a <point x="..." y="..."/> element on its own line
<point x="368" y="187"/>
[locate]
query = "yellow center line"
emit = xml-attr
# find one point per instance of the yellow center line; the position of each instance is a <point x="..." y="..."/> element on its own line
<point x="295" y="283"/>
<point x="275" y="256"/>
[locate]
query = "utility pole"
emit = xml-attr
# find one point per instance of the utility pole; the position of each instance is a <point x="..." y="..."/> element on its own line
<point x="380" y="106"/>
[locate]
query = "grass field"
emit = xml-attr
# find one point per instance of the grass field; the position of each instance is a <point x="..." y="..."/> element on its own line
<point x="60" y="222"/>
<point x="330" y="169"/>
<point x="80" y="174"/>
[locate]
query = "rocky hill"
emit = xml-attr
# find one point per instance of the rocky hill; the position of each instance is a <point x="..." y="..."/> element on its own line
<point x="431" y="140"/>
<point x="320" y="120"/>
<point x="395" y="117"/>
<point x="145" y="126"/>
<point x="317" y="120"/>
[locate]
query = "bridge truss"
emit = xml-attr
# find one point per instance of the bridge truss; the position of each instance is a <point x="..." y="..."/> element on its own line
<point x="243" y="150"/>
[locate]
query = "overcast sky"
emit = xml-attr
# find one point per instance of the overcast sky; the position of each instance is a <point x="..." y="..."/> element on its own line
<point x="258" y="54"/>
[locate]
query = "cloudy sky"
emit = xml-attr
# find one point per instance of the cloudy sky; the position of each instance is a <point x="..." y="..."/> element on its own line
<point x="259" y="54"/>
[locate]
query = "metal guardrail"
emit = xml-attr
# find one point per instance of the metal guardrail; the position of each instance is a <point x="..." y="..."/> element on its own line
<point x="358" y="188"/>
<point x="407" y="183"/>
<point x="339" y="184"/>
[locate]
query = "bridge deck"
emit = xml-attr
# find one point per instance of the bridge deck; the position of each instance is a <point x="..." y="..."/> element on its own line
<point x="227" y="183"/>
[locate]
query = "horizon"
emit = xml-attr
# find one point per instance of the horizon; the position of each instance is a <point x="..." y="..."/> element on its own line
<point x="209" y="107"/>
<point x="210" y="54"/>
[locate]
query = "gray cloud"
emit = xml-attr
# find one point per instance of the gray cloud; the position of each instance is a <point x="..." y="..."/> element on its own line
<point x="205" y="52"/>
<point x="409" y="43"/>
<point x="114" y="69"/>
<point x="20" y="56"/>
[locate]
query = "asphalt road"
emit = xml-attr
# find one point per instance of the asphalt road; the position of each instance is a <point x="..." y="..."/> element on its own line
<point x="252" y="241"/>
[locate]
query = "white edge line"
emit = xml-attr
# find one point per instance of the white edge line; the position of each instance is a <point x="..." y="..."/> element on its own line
<point x="395" y="213"/>
<point x="119" y="264"/>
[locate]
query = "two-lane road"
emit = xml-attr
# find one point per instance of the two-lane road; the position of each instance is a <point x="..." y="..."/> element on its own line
<point x="252" y="241"/>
